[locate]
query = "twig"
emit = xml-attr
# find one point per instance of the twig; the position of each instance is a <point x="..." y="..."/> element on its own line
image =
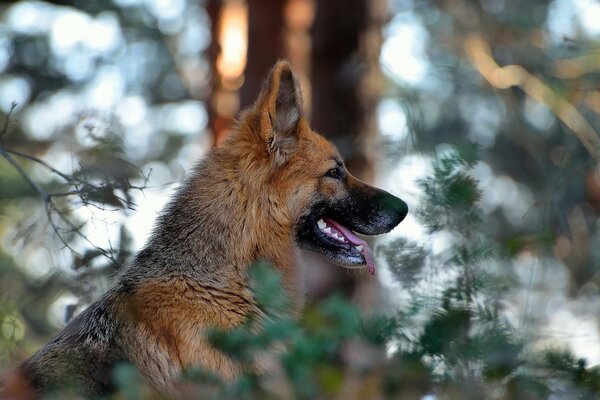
<point x="74" y="180"/>
<point x="68" y="178"/>
<point x="13" y="105"/>
<point x="82" y="189"/>
<point x="51" y="207"/>
<point x="23" y="174"/>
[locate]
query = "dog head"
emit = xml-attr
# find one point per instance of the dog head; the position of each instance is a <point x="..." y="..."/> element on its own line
<point x="304" y="175"/>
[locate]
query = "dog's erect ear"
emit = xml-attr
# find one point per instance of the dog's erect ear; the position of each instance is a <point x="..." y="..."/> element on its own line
<point x="280" y="107"/>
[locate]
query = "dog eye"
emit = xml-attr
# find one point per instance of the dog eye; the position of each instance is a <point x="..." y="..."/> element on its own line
<point x="335" y="173"/>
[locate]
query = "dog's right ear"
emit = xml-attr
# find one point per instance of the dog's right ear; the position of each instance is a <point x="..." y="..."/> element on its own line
<point x="279" y="107"/>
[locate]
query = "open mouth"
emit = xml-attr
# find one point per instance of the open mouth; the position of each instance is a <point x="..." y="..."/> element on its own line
<point x="329" y="228"/>
<point x="342" y="245"/>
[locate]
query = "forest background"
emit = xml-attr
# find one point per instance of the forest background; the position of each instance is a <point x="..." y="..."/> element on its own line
<point x="482" y="115"/>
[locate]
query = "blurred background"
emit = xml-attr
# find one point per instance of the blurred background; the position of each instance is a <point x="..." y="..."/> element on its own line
<point x="107" y="103"/>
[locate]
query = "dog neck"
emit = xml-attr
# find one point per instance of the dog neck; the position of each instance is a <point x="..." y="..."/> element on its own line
<point x="220" y="223"/>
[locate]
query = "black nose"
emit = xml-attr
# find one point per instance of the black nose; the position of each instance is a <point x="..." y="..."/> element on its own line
<point x="392" y="208"/>
<point x="368" y="210"/>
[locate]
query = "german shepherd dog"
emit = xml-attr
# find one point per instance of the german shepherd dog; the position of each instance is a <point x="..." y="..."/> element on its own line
<point x="273" y="187"/>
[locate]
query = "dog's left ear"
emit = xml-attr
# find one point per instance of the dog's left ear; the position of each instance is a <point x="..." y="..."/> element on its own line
<point x="280" y="109"/>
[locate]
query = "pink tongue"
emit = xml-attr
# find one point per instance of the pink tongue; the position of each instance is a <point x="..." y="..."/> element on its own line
<point x="355" y="240"/>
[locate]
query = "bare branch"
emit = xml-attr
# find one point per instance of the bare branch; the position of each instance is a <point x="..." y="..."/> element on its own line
<point x="68" y="178"/>
<point x="51" y="207"/>
<point x="23" y="174"/>
<point x="13" y="105"/>
<point x="89" y="193"/>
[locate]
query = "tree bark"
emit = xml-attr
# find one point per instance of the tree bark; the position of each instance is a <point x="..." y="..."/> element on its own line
<point x="266" y="44"/>
<point x="345" y="84"/>
<point x="216" y="123"/>
<point x="336" y="74"/>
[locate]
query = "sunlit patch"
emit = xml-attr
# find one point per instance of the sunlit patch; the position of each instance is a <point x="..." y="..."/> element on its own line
<point x="30" y="17"/>
<point x="573" y="19"/>
<point x="38" y="263"/>
<point x="132" y="110"/>
<point x="392" y="120"/>
<point x="187" y="117"/>
<point x="71" y="28"/>
<point x="14" y="89"/>
<point x="67" y="30"/>
<point x="149" y="206"/>
<point x="590" y="15"/>
<point x="104" y="33"/>
<point x="107" y="88"/>
<point x="167" y="9"/>
<point x="403" y="51"/>
<point x="58" y="310"/>
<point x="42" y="119"/>
<point x="233" y="39"/>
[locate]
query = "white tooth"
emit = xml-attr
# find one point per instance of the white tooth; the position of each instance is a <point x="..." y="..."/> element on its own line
<point x="327" y="230"/>
<point x="359" y="248"/>
<point x="321" y="224"/>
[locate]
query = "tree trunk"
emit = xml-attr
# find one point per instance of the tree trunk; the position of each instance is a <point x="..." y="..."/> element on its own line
<point x="266" y="44"/>
<point x="216" y="122"/>
<point x="345" y="84"/>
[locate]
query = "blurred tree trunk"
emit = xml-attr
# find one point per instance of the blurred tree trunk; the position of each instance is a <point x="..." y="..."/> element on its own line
<point x="216" y="122"/>
<point x="266" y="44"/>
<point x="345" y="84"/>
